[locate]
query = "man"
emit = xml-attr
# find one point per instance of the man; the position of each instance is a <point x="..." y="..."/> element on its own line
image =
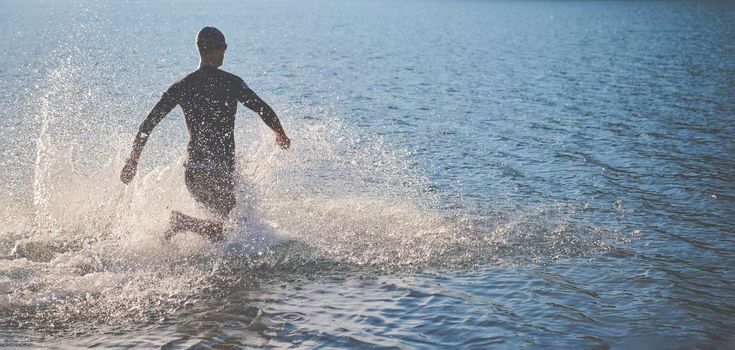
<point x="208" y="97"/>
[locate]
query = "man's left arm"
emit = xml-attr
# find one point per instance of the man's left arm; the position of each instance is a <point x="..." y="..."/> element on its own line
<point x="252" y="101"/>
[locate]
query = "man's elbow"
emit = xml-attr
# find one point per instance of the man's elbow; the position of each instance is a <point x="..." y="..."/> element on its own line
<point x="146" y="128"/>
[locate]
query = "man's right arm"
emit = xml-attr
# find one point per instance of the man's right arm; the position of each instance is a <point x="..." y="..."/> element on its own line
<point x="160" y="110"/>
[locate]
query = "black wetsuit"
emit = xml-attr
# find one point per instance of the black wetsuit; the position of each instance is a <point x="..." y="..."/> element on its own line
<point x="209" y="98"/>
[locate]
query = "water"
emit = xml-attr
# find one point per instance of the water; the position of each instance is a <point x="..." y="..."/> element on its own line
<point x="463" y="174"/>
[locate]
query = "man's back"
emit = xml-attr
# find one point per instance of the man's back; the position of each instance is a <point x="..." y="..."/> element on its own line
<point x="209" y="98"/>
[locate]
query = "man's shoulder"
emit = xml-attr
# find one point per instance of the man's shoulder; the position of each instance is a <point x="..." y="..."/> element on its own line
<point x="190" y="79"/>
<point x="195" y="75"/>
<point x="229" y="76"/>
<point x="179" y="82"/>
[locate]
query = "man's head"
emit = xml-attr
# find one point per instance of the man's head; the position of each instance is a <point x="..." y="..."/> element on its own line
<point x="211" y="45"/>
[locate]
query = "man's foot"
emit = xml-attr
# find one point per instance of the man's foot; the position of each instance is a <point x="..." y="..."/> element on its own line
<point x="174" y="225"/>
<point x="211" y="230"/>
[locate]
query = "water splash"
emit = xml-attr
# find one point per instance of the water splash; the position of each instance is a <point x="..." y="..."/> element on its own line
<point x="77" y="247"/>
<point x="93" y="249"/>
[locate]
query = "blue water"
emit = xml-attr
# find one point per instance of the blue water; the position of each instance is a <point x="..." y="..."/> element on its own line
<point x="464" y="174"/>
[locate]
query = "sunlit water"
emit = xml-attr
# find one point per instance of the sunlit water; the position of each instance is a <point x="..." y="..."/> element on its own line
<point x="463" y="174"/>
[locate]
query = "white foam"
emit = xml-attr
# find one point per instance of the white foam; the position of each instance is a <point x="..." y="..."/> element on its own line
<point x="85" y="244"/>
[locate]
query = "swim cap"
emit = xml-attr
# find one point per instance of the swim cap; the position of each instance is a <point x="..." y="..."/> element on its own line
<point x="209" y="39"/>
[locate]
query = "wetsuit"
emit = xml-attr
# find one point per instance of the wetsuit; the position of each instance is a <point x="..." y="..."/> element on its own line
<point x="209" y="97"/>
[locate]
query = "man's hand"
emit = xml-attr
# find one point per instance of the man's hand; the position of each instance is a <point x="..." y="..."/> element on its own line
<point x="128" y="171"/>
<point x="283" y="141"/>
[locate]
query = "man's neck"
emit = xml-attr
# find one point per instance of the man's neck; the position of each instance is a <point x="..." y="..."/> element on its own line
<point x="207" y="63"/>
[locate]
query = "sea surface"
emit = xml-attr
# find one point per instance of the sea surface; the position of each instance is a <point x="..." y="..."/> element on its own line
<point x="463" y="174"/>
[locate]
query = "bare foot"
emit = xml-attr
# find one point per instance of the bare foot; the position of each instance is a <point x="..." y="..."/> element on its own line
<point x="212" y="230"/>
<point x="174" y="225"/>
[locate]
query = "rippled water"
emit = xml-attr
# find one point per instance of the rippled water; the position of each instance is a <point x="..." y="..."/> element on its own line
<point x="464" y="174"/>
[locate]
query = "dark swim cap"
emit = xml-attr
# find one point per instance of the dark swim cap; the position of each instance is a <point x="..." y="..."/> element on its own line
<point x="210" y="39"/>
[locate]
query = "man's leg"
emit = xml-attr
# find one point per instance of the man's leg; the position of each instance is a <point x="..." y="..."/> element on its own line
<point x="213" y="189"/>
<point x="210" y="229"/>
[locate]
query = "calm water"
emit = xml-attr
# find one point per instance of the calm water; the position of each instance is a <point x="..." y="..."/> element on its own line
<point x="464" y="174"/>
